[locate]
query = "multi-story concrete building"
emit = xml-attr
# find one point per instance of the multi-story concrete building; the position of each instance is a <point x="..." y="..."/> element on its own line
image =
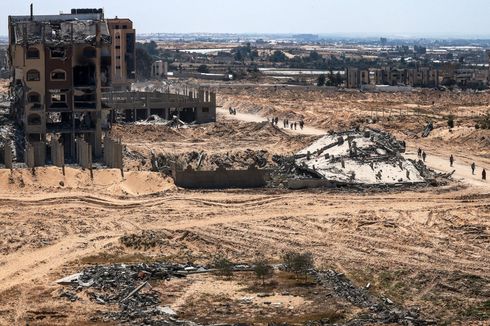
<point x="123" y="52"/>
<point x="159" y="69"/>
<point x="423" y="77"/>
<point x="415" y="77"/>
<point x="356" y="78"/>
<point x="60" y="65"/>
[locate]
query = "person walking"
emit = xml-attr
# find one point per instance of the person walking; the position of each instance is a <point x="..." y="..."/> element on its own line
<point x="484" y="175"/>
<point x="419" y="152"/>
<point x="423" y="156"/>
<point x="473" y="167"/>
<point x="451" y="160"/>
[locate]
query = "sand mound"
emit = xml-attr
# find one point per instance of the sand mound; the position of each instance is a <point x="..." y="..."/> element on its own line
<point x="106" y="181"/>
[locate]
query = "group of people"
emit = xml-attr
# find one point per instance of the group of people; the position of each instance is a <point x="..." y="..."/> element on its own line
<point x="232" y="111"/>
<point x="423" y="155"/>
<point x="286" y="124"/>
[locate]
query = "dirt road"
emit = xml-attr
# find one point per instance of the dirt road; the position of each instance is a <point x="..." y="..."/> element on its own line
<point x="461" y="167"/>
<point x="247" y="117"/>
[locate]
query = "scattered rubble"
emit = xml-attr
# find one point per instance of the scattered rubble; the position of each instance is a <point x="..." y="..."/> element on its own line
<point x="369" y="157"/>
<point x="129" y="287"/>
<point x="381" y="310"/>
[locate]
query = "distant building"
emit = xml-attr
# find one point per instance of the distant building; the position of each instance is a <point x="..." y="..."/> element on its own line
<point x="415" y="77"/>
<point x="423" y="77"/>
<point x="356" y="78"/>
<point x="159" y="69"/>
<point x="123" y="52"/>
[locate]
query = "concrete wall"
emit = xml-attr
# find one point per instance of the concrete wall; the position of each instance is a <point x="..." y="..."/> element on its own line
<point x="296" y="184"/>
<point x="220" y="179"/>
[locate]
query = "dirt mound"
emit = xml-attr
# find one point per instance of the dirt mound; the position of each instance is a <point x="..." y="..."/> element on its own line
<point x="106" y="181"/>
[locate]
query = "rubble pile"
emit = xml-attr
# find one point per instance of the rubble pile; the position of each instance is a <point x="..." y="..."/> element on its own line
<point x="145" y="240"/>
<point x="129" y="287"/>
<point x="368" y="157"/>
<point x="200" y="160"/>
<point x="381" y="310"/>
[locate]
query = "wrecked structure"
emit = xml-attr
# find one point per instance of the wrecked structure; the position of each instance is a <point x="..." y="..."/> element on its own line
<point x="71" y="76"/>
<point x="414" y="77"/>
<point x="61" y="64"/>
<point x="123" y="52"/>
<point x="191" y="106"/>
<point x="367" y="157"/>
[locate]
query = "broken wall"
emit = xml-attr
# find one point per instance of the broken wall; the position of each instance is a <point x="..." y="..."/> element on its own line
<point x="220" y="179"/>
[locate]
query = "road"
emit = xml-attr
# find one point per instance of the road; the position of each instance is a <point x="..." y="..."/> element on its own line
<point x="248" y="117"/>
<point x="461" y="167"/>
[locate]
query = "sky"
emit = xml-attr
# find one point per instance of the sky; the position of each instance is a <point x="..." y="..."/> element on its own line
<point x="409" y="18"/>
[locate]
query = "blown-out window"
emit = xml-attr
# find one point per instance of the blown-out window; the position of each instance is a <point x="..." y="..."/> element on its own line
<point x="34" y="97"/>
<point x="89" y="52"/>
<point x="57" y="53"/>
<point x="58" y="75"/>
<point x="33" y="75"/>
<point x="34" y="119"/>
<point x="32" y="53"/>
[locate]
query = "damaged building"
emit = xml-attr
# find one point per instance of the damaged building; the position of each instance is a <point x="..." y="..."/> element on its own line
<point x="71" y="79"/>
<point x="61" y="64"/>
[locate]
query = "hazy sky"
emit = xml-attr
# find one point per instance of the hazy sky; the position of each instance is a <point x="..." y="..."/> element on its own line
<point x="373" y="17"/>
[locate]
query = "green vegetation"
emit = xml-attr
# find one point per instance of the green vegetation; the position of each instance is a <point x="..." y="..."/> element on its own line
<point x="321" y="80"/>
<point x="298" y="263"/>
<point x="263" y="269"/>
<point x="203" y="69"/>
<point x="223" y="266"/>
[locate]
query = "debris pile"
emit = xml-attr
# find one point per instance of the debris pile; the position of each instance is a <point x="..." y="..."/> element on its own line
<point x="368" y="157"/>
<point x="154" y="119"/>
<point x="381" y="310"/>
<point x="238" y="160"/>
<point x="129" y="287"/>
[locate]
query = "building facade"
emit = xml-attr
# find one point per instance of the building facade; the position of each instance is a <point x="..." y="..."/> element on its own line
<point x="60" y="65"/>
<point x="159" y="69"/>
<point x="123" y="52"/>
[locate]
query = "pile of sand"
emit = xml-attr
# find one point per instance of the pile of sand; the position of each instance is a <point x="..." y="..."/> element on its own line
<point x="105" y="181"/>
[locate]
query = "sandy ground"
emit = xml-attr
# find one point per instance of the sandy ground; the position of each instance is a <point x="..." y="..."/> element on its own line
<point x="426" y="248"/>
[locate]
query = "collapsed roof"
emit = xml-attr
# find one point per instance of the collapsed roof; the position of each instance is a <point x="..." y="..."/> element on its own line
<point x="56" y="29"/>
<point x="359" y="157"/>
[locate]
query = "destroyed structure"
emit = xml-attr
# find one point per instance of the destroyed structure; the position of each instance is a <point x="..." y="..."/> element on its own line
<point x="123" y="52"/>
<point x="413" y="77"/>
<point x="61" y="64"/>
<point x="359" y="157"/>
<point x="70" y="79"/>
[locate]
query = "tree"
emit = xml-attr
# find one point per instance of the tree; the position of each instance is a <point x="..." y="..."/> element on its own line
<point x="223" y="266"/>
<point x="143" y="64"/>
<point x="334" y="79"/>
<point x="263" y="269"/>
<point x="321" y="80"/>
<point x="315" y="56"/>
<point x="278" y="56"/>
<point x="298" y="263"/>
<point x="203" y="69"/>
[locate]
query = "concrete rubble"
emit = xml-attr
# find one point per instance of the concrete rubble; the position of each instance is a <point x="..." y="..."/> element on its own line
<point x="381" y="310"/>
<point x="129" y="287"/>
<point x="355" y="157"/>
